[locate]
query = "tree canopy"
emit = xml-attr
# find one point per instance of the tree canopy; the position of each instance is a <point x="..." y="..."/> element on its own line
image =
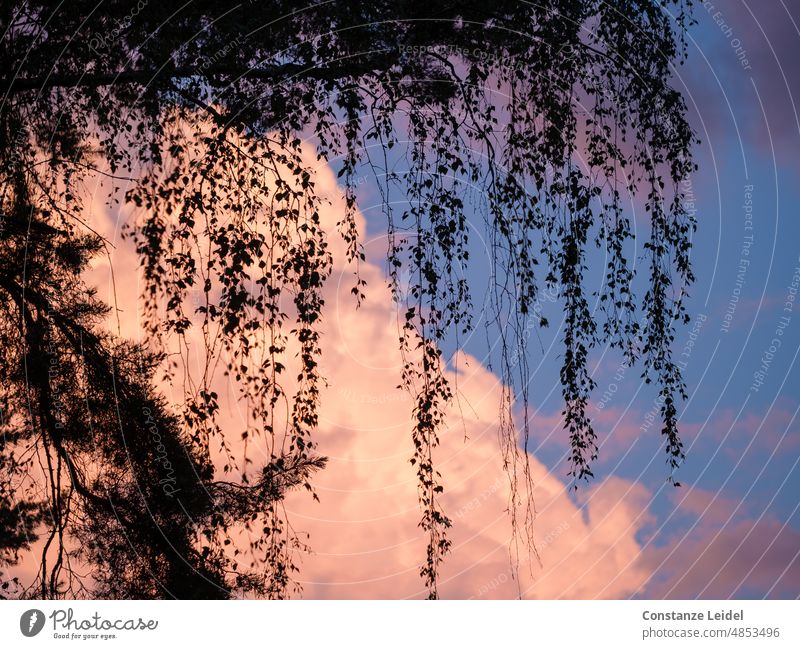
<point x="559" y="112"/>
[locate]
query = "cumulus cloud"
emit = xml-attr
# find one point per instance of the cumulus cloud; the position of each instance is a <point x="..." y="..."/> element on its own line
<point x="364" y="533"/>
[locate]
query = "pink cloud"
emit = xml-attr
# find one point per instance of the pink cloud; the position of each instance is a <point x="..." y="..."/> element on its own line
<point x="746" y="555"/>
<point x="711" y="507"/>
<point x="364" y="531"/>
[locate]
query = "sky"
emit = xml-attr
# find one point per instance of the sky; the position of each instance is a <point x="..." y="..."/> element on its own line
<point x="731" y="530"/>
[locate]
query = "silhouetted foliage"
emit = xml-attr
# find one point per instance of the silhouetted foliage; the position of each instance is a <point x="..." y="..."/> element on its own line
<point x="124" y="488"/>
<point x="558" y="112"/>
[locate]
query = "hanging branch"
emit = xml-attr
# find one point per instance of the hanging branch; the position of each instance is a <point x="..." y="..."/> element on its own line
<point x="555" y="112"/>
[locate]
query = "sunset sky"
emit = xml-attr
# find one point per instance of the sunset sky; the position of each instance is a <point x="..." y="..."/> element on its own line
<point x="731" y="530"/>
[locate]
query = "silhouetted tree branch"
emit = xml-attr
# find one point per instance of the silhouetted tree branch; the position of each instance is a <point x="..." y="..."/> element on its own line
<point x="560" y="112"/>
